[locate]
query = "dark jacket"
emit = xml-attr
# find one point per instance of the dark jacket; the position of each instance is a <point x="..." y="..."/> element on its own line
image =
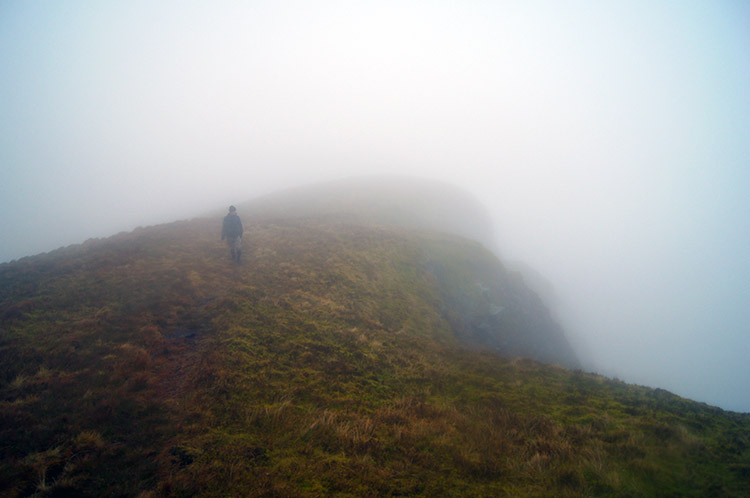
<point x="232" y="227"/>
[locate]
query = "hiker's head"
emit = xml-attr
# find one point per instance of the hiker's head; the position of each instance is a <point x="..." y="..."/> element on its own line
<point x="232" y="209"/>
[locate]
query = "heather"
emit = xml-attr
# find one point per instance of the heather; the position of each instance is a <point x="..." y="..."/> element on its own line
<point x="338" y="359"/>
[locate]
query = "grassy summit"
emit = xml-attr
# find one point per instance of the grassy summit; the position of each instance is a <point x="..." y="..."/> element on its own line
<point x="339" y="359"/>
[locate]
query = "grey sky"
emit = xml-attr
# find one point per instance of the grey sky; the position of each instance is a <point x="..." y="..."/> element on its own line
<point x="610" y="140"/>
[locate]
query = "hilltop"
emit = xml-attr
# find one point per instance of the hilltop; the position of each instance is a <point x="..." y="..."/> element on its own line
<point x="412" y="203"/>
<point x="344" y="357"/>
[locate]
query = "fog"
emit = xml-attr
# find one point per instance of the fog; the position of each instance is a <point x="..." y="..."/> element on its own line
<point x="609" y="140"/>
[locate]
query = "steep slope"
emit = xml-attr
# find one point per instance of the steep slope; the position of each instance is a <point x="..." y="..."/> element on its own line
<point x="330" y="363"/>
<point x="491" y="308"/>
<point x="486" y="306"/>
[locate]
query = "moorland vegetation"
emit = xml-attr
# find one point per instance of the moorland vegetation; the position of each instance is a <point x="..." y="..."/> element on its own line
<point x="339" y="359"/>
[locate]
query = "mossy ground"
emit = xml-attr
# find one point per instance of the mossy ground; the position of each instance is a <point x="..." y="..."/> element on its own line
<point x="323" y="365"/>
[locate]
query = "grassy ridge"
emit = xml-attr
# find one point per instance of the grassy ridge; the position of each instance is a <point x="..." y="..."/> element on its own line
<point x="324" y="365"/>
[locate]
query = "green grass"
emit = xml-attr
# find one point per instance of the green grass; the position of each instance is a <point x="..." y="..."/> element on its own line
<point x="327" y="364"/>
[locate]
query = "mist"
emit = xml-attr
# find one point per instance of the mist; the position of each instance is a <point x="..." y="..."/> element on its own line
<point x="609" y="141"/>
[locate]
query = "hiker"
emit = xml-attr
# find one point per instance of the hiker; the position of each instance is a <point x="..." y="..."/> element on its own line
<point x="231" y="230"/>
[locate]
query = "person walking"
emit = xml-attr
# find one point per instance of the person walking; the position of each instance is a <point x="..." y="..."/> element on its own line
<point x="231" y="231"/>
